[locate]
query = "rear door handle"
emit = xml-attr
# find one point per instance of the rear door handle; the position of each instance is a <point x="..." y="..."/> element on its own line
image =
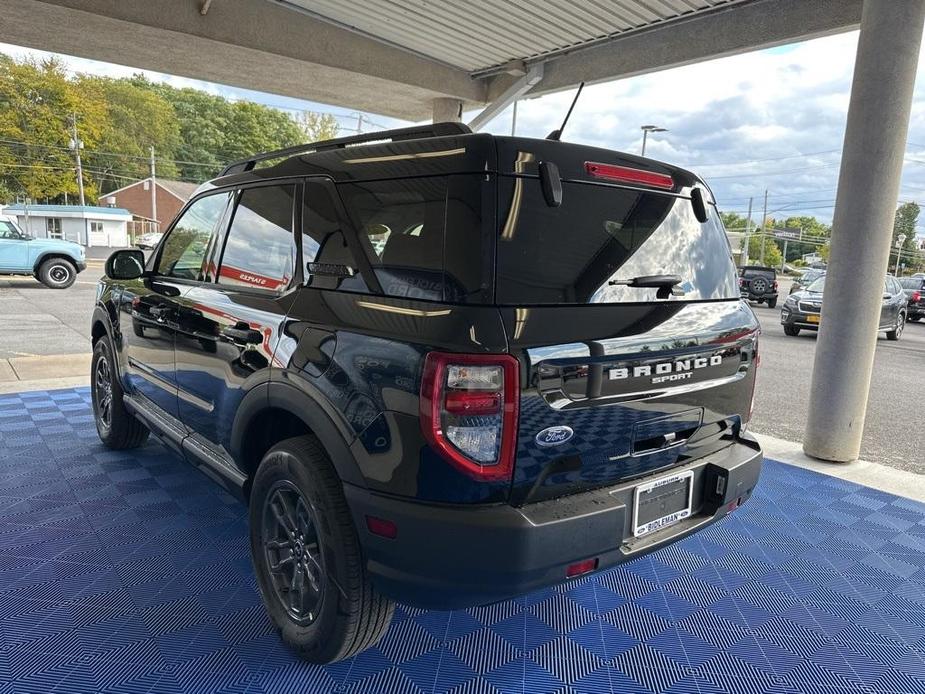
<point x="243" y="334"/>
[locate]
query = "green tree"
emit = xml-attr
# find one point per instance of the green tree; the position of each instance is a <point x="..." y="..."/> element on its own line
<point x="904" y="222"/>
<point x="137" y="119"/>
<point x="37" y="103"/>
<point x="772" y="254"/>
<point x="732" y="221"/>
<point x="317" y="126"/>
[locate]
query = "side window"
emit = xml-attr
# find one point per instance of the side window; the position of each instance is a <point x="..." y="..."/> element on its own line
<point x="185" y="249"/>
<point x="260" y="248"/>
<point x="401" y="228"/>
<point x="326" y="258"/>
<point x="8" y="231"/>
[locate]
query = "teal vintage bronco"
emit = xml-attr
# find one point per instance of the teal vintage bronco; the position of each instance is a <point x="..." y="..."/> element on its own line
<point x="55" y="263"/>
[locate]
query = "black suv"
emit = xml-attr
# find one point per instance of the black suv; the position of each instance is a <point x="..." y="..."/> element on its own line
<point x="442" y="368"/>
<point x="757" y="283"/>
<point x="914" y="289"/>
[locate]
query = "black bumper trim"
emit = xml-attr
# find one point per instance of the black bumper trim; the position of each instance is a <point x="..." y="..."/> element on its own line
<point x="453" y="556"/>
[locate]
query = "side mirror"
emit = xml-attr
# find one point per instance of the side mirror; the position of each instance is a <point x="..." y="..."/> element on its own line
<point x="128" y="264"/>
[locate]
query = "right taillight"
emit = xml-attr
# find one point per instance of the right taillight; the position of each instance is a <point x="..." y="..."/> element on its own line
<point x="469" y="406"/>
<point x="915" y="297"/>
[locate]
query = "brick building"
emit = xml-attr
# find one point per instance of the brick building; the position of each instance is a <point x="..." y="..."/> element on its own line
<point x="136" y="198"/>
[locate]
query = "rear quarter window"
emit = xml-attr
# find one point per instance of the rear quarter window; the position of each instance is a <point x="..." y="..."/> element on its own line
<point x="423" y="236"/>
<point x="572" y="253"/>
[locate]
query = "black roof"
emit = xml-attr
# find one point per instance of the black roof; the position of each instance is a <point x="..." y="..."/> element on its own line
<point x="438" y="149"/>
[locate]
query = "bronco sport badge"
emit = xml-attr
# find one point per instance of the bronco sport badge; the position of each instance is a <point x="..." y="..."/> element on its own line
<point x="678" y="370"/>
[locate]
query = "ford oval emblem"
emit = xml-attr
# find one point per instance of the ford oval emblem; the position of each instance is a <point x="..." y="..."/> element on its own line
<point x="554" y="436"/>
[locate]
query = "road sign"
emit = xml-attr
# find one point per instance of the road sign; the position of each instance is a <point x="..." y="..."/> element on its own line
<point x="791" y="234"/>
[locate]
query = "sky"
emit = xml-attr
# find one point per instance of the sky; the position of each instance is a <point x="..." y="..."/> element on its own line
<point x="768" y="120"/>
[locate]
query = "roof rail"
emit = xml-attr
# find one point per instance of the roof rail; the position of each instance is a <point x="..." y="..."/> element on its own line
<point x="413" y="133"/>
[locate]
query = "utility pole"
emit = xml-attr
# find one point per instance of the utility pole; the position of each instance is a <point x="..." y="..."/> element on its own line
<point x="748" y="224"/>
<point x="514" y="119"/>
<point x="77" y="145"/>
<point x="764" y="222"/>
<point x="153" y="193"/>
<point x="359" y="121"/>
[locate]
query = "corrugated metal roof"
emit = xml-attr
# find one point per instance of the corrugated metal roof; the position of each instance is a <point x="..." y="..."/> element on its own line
<point x="477" y="35"/>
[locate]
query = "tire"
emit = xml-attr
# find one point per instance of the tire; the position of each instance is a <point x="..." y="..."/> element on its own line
<point x="298" y="509"/>
<point x="772" y="302"/>
<point x="791" y="330"/>
<point x="57" y="273"/>
<point x="117" y="427"/>
<point x="897" y="331"/>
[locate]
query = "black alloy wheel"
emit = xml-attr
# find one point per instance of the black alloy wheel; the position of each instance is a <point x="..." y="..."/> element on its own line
<point x="102" y="392"/>
<point x="293" y="552"/>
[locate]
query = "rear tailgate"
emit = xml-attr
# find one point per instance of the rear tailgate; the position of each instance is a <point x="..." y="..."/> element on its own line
<point x="619" y="381"/>
<point x="663" y="384"/>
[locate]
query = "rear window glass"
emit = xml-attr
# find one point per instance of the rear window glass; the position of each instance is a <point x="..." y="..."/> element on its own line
<point x="422" y="236"/>
<point x="601" y="234"/>
<point x="912" y="282"/>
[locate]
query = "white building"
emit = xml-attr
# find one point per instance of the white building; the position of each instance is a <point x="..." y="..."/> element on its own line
<point x="87" y="225"/>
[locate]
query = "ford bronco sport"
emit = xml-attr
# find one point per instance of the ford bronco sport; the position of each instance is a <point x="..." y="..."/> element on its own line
<point x="442" y="368"/>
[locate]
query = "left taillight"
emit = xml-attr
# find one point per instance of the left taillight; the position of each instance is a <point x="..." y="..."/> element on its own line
<point x="469" y="409"/>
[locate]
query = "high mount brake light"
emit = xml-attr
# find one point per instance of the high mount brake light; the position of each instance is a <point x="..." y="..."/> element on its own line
<point x="626" y="174"/>
<point x="469" y="409"/>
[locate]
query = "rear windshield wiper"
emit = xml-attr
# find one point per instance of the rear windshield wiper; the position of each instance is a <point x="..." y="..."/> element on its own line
<point x="665" y="284"/>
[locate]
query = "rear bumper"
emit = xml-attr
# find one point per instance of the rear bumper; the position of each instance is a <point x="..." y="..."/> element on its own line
<point x="448" y="557"/>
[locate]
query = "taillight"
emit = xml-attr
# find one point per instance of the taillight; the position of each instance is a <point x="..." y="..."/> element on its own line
<point x="626" y="174"/>
<point x="915" y="297"/>
<point x="774" y="285"/>
<point x="469" y="407"/>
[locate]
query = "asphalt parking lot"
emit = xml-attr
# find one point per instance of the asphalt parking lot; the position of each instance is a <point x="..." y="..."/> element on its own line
<point x="37" y="321"/>
<point x="892" y="431"/>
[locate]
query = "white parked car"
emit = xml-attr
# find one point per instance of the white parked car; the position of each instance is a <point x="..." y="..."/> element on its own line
<point x="149" y="241"/>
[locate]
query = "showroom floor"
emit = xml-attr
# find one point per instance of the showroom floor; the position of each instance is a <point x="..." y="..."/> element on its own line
<point x="129" y="572"/>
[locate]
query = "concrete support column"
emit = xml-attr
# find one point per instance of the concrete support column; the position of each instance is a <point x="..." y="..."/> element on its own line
<point x="446" y="109"/>
<point x="868" y="186"/>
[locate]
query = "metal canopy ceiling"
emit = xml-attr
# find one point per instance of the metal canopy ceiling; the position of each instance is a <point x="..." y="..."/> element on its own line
<point x="479" y="35"/>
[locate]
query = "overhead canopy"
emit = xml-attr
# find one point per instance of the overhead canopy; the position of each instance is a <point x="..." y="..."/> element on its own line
<point x="396" y="57"/>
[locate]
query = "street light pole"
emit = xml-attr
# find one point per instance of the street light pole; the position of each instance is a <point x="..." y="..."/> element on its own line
<point x="900" y="240"/>
<point x="646" y="129"/>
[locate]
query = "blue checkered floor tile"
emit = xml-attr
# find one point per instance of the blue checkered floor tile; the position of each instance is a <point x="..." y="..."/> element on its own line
<point x="129" y="572"/>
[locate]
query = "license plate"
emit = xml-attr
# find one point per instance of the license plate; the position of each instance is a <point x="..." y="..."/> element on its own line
<point x="662" y="502"/>
<point x="812" y="319"/>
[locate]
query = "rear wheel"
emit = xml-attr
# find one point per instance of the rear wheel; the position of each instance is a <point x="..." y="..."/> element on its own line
<point x="895" y="333"/>
<point x="772" y="302"/>
<point x="307" y="556"/>
<point x="57" y="273"/>
<point x="791" y="330"/>
<point x="117" y="427"/>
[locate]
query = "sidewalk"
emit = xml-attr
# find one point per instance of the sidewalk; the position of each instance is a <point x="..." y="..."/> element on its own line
<point x="44" y="373"/>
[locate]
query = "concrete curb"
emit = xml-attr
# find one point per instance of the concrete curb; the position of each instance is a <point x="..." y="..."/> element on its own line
<point x="18" y="370"/>
<point x="863" y="472"/>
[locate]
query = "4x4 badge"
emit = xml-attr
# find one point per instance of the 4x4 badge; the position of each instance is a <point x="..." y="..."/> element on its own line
<point x="554" y="436"/>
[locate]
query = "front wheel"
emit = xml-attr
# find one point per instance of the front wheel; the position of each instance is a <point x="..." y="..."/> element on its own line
<point x="791" y="330"/>
<point x="57" y="273"/>
<point x="117" y="427"/>
<point x="307" y="556"/>
<point x="895" y="333"/>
